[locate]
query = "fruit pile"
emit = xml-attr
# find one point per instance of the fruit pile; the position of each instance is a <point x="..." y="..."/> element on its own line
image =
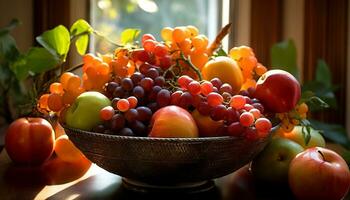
<point x="121" y="94"/>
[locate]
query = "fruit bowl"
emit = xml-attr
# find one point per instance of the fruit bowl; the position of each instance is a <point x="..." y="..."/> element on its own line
<point x="166" y="162"/>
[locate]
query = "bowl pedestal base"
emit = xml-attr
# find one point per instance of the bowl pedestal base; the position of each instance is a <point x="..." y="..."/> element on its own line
<point x="185" y="188"/>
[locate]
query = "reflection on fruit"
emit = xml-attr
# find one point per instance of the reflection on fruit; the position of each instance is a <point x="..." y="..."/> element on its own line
<point x="30" y="140"/>
<point x="58" y="171"/>
<point x="85" y="112"/>
<point x="296" y="135"/>
<point x="240" y="185"/>
<point x="226" y="69"/>
<point x="278" y="90"/>
<point x="272" y="163"/>
<point x="319" y="173"/>
<point x="173" y="121"/>
<point x="206" y="126"/>
<point x="65" y="150"/>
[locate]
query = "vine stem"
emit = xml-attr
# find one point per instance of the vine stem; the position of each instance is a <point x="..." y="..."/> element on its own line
<point x="194" y="68"/>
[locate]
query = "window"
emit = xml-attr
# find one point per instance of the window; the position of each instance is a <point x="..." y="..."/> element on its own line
<point x="112" y="16"/>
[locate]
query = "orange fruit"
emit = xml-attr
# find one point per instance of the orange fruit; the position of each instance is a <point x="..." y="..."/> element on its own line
<point x="65" y="150"/>
<point x="226" y="69"/>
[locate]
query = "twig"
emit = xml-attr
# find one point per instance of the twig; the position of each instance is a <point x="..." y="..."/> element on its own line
<point x="217" y="42"/>
<point x="194" y="68"/>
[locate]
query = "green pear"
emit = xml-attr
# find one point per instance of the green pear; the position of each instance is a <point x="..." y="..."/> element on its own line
<point x="84" y="113"/>
<point x="272" y="164"/>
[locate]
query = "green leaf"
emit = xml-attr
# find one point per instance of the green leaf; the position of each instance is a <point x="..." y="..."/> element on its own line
<point x="79" y="27"/>
<point x="322" y="91"/>
<point x="8" y="49"/>
<point x="284" y="56"/>
<point x="323" y="74"/>
<point x="37" y="60"/>
<point x="81" y="44"/>
<point x="56" y="41"/>
<point x="333" y="132"/>
<point x="220" y="52"/>
<point x="129" y="35"/>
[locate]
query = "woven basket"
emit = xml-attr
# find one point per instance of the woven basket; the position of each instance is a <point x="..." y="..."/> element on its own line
<point x="166" y="161"/>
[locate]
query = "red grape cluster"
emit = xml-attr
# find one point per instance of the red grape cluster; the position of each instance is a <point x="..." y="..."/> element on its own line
<point x="242" y="114"/>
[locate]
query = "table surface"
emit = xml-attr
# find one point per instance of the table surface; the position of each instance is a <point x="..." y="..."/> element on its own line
<point x="71" y="182"/>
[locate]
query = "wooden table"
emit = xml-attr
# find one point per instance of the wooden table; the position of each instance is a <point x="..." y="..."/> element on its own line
<point x="96" y="183"/>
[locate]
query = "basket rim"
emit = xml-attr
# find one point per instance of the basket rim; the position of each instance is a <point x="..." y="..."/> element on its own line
<point x="130" y="138"/>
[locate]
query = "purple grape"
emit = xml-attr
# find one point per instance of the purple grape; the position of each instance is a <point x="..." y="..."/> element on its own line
<point x="144" y="113"/>
<point x="138" y="92"/>
<point x="152" y="73"/>
<point x="218" y="113"/>
<point x="131" y="115"/>
<point x="127" y="84"/>
<point x="117" y="122"/>
<point x="160" y="81"/>
<point x="147" y="83"/>
<point x="163" y="98"/>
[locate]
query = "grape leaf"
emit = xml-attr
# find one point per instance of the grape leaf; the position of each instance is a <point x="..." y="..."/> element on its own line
<point x="81" y="44"/>
<point x="129" y="35"/>
<point x="56" y="41"/>
<point x="79" y="27"/>
<point x="37" y="60"/>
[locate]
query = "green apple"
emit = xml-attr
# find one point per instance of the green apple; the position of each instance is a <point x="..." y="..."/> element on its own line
<point x="316" y="139"/>
<point x="272" y="164"/>
<point x="84" y="113"/>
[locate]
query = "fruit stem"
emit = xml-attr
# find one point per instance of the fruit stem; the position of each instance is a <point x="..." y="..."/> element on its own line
<point x="216" y="43"/>
<point x="194" y="68"/>
<point x="320" y="152"/>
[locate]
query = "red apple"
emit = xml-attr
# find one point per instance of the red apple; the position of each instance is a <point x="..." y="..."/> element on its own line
<point x="30" y="140"/>
<point x="319" y="173"/>
<point x="173" y="121"/>
<point x="278" y="90"/>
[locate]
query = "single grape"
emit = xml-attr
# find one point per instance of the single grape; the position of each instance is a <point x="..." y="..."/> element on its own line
<point x="144" y="68"/>
<point x="152" y="73"/>
<point x="243" y="93"/>
<point x="163" y="98"/>
<point x="153" y="106"/>
<point x="218" y="113"/>
<point x="99" y="128"/>
<point x="183" y="81"/>
<point x="179" y="34"/>
<point x="166" y="33"/>
<point x="263" y="125"/>
<point x="56" y="88"/>
<point x="138" y="128"/>
<point x="119" y="92"/>
<point x="123" y="105"/>
<point x="131" y="115"/>
<point x="147" y="36"/>
<point x="165" y="62"/>
<point x="117" y="122"/>
<point x="225" y="88"/>
<point x="258" y="106"/>
<point x="143" y="56"/>
<point x="194" y="87"/>
<point x="110" y="87"/>
<point x="107" y="113"/>
<point x="246" y="119"/>
<point x="144" y="113"/>
<point x="235" y="129"/>
<point x="255" y="112"/>
<point x="227" y="96"/>
<point x="232" y="115"/>
<point x="114" y="102"/>
<point x="149" y="45"/>
<point x="152" y="96"/>
<point x="147" y="83"/>
<point x="197" y="99"/>
<point x="126" y="132"/>
<point x="216" y="82"/>
<point x="206" y="88"/>
<point x="175" y="97"/>
<point x="248" y="107"/>
<point x="214" y="99"/>
<point x="160" y="81"/>
<point x="251" y="91"/>
<point x="132" y="101"/>
<point x="237" y="102"/>
<point x="127" y="84"/>
<point x="204" y="108"/>
<point x="138" y="92"/>
<point x="136" y="77"/>
<point x="185" y="100"/>
<point x="160" y="50"/>
<point x="251" y="134"/>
